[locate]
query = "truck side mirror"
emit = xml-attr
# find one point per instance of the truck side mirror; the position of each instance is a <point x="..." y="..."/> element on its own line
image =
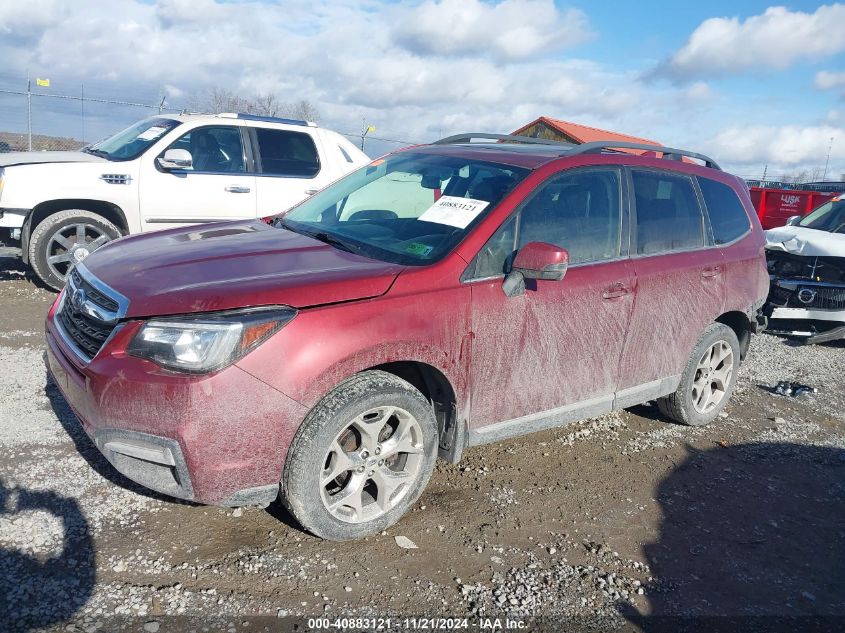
<point x="175" y="159"/>
<point x="793" y="220"/>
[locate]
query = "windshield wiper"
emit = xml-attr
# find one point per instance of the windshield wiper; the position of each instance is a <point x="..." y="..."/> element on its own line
<point x="96" y="152"/>
<point x="331" y="240"/>
<point x="322" y="236"/>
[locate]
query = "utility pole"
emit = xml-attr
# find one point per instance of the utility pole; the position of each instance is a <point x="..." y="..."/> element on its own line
<point x="765" y="169"/>
<point x="29" y="112"/>
<point x="82" y="100"/>
<point x="827" y="160"/>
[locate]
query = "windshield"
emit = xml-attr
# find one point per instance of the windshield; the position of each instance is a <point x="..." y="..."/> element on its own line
<point x="410" y="208"/>
<point x="134" y="140"/>
<point x="828" y="217"/>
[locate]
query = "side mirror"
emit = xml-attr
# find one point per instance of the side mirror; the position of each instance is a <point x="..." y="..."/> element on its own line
<point x="793" y="220"/>
<point x="536" y="260"/>
<point x="175" y="159"/>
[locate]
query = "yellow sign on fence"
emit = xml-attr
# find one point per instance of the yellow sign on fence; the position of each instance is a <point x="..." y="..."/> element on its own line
<point x="42" y="82"/>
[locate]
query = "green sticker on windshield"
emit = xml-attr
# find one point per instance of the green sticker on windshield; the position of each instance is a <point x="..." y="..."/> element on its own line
<point x="419" y="249"/>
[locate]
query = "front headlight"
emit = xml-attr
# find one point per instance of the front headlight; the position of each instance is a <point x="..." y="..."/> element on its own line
<point x="207" y="342"/>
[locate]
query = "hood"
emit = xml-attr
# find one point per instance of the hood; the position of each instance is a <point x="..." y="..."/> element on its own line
<point x="30" y="158"/>
<point x="800" y="240"/>
<point x="234" y="265"/>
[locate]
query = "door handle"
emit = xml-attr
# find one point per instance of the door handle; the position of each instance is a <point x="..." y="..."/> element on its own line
<point x="615" y="291"/>
<point x="709" y="272"/>
<point x="311" y="192"/>
<point x="237" y="189"/>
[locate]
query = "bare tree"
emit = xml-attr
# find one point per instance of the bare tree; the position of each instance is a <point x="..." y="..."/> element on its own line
<point x="216" y="100"/>
<point x="267" y="105"/>
<point x="303" y="109"/>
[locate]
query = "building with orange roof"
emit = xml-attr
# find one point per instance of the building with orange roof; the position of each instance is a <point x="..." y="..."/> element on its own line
<point x="568" y="132"/>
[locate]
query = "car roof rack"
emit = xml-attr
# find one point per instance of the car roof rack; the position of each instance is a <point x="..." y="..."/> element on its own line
<point x="264" y="119"/>
<point x="467" y="137"/>
<point x="595" y="147"/>
<point x="669" y="153"/>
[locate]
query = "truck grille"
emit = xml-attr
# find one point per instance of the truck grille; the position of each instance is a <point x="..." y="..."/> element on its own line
<point x="79" y="311"/>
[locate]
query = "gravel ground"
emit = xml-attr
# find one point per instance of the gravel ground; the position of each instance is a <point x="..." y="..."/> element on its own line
<point x="595" y="524"/>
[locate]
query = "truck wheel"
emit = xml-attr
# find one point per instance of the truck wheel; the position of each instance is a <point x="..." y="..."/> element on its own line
<point x="361" y="458"/>
<point x="64" y="239"/>
<point x="708" y="379"/>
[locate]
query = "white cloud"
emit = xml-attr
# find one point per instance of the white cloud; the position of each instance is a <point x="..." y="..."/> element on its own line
<point x="788" y="146"/>
<point x="827" y="80"/>
<point x="414" y="70"/>
<point x="774" y="40"/>
<point x="511" y="29"/>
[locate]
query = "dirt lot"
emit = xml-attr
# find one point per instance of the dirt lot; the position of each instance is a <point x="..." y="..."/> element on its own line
<point x="591" y="525"/>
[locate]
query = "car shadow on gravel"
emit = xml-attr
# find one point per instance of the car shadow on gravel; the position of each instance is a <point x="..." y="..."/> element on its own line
<point x="39" y="589"/>
<point x="86" y="448"/>
<point x="752" y="535"/>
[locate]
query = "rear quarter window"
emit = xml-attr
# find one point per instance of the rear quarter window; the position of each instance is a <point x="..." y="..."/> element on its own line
<point x="285" y="153"/>
<point x="727" y="215"/>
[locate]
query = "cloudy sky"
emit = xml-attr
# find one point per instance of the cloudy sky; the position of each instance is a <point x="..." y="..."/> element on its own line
<point x="751" y="83"/>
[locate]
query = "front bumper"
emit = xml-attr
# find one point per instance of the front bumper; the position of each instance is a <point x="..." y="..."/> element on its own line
<point x="219" y="439"/>
<point x="809" y="309"/>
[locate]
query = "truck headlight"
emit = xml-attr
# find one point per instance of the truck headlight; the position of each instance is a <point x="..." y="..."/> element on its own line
<point x="205" y="343"/>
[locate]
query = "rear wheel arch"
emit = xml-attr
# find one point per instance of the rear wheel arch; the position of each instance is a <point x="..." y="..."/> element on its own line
<point x="742" y="327"/>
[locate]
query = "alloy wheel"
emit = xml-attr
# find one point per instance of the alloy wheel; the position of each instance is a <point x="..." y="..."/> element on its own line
<point x="371" y="464"/>
<point x="71" y="244"/>
<point x="712" y="377"/>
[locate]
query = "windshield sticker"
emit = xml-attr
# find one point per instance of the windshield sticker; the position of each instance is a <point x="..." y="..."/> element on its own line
<point x="151" y="133"/>
<point x="415" y="248"/>
<point x="453" y="211"/>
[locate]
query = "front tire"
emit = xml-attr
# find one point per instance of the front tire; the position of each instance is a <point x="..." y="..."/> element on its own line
<point x="361" y="458"/>
<point x="708" y="379"/>
<point x="64" y="239"/>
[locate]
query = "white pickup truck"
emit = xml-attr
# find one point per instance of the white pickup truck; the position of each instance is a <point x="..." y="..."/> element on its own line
<point x="162" y="172"/>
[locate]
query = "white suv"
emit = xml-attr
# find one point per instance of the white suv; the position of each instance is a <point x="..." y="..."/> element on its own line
<point x="162" y="172"/>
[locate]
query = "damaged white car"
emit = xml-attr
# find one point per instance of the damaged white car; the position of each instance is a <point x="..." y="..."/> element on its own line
<point x="806" y="262"/>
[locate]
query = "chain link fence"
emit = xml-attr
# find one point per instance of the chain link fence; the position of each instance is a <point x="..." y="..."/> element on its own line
<point x="36" y="118"/>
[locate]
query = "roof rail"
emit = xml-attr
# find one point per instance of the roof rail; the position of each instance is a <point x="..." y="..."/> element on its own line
<point x="595" y="147"/>
<point x="671" y="153"/>
<point x="467" y="137"/>
<point x="265" y="119"/>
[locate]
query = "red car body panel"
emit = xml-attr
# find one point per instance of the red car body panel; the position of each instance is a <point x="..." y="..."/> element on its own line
<point x="235" y="265"/>
<point x="206" y="415"/>
<point x="605" y="328"/>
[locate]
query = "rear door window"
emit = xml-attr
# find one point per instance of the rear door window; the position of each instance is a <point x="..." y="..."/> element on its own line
<point x="286" y="153"/>
<point x="669" y="217"/>
<point x="727" y="215"/>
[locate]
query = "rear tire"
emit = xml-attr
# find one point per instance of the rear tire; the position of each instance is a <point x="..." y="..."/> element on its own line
<point x="361" y="458"/>
<point x="64" y="239"/>
<point x="708" y="379"/>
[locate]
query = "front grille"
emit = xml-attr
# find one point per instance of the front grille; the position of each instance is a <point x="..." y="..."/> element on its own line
<point x="88" y="334"/>
<point x="78" y="318"/>
<point x="828" y="299"/>
<point x="818" y="297"/>
<point x="95" y="295"/>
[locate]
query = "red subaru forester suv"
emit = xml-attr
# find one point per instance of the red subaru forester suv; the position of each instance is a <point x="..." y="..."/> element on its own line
<point x="444" y="296"/>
